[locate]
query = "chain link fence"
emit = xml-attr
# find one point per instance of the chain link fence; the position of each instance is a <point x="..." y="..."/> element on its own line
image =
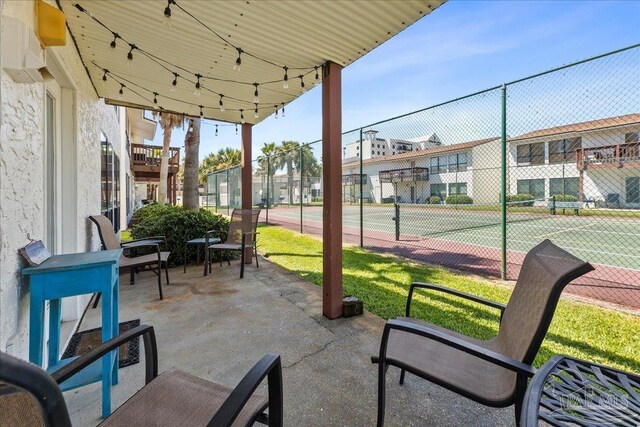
<point x="563" y="146"/>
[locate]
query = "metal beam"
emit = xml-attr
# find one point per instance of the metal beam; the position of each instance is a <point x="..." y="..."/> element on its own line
<point x="331" y="184"/>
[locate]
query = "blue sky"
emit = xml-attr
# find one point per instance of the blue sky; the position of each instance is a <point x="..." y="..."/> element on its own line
<point x="463" y="47"/>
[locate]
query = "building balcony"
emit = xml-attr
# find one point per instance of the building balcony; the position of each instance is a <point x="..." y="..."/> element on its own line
<point x="146" y="159"/>
<point x="609" y="156"/>
<point x="354" y="179"/>
<point x="404" y="175"/>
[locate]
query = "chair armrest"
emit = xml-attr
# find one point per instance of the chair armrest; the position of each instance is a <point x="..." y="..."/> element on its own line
<point x="269" y="365"/>
<point x="457" y="293"/>
<point x="163" y="238"/>
<point x="455" y="342"/>
<point x="150" y="354"/>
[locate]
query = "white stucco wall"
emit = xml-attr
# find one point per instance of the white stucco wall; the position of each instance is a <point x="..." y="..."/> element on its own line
<point x="22" y="172"/>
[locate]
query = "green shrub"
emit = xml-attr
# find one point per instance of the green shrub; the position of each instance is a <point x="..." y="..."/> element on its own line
<point x="435" y="200"/>
<point x="522" y="199"/>
<point x="458" y="199"/>
<point x="178" y="225"/>
<point x="565" y="198"/>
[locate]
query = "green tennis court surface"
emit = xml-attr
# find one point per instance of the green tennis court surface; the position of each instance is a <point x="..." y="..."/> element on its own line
<point x="612" y="241"/>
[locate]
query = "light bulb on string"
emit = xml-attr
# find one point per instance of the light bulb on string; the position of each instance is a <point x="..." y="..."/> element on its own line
<point x="242" y="116"/>
<point x="216" y="130"/>
<point x="236" y="128"/>
<point x="255" y="114"/>
<point x="221" y="103"/>
<point x="276" y="107"/>
<point x="155" y="97"/>
<point x="130" y="56"/>
<point x="285" y="81"/>
<point x="283" y="110"/>
<point x="201" y="113"/>
<point x="113" y="42"/>
<point x="197" y="91"/>
<point x="236" y="66"/>
<point x="256" y="100"/>
<point x="121" y="91"/>
<point x="302" y="83"/>
<point x="167" y="14"/>
<point x="317" y="76"/>
<point x="104" y="76"/>
<point x="174" y="83"/>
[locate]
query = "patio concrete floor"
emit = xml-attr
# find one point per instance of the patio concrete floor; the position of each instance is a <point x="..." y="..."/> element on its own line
<point x="218" y="326"/>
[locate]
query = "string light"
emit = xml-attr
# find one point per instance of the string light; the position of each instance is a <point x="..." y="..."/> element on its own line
<point x="121" y="91"/>
<point x="174" y="83"/>
<point x="317" y="76"/>
<point x="155" y="97"/>
<point x="276" y="107"/>
<point x="197" y="91"/>
<point x="113" y="43"/>
<point x="104" y="76"/>
<point x="283" y="110"/>
<point x="236" y="66"/>
<point x="302" y="82"/>
<point x="167" y="14"/>
<point x="285" y="81"/>
<point x="255" y="114"/>
<point x="221" y="103"/>
<point x="130" y="55"/>
<point x="242" y="116"/>
<point x="256" y="100"/>
<point x="216" y="130"/>
<point x="201" y="113"/>
<point x="236" y="128"/>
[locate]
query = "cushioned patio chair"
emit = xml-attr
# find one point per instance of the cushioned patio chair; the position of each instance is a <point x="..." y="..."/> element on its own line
<point x="242" y="234"/>
<point x="30" y="396"/>
<point x="492" y="372"/>
<point x="110" y="241"/>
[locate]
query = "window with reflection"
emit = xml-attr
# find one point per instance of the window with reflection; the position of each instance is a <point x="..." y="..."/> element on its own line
<point x="110" y="185"/>
<point x="564" y="150"/>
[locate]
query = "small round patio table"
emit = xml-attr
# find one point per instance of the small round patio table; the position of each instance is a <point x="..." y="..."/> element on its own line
<point x="199" y="241"/>
<point x="573" y="392"/>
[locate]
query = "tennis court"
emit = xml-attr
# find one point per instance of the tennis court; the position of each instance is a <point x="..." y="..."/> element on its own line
<point x="606" y="241"/>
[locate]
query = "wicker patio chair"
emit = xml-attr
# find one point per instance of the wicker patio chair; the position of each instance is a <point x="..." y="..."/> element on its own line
<point x="242" y="234"/>
<point x="30" y="396"/>
<point x="492" y="372"/>
<point x="110" y="241"/>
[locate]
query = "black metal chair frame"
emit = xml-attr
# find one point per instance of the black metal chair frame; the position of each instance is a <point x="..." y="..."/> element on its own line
<point x="205" y="244"/>
<point x="45" y="388"/>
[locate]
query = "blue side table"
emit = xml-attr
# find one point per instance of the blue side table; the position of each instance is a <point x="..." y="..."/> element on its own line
<point x="70" y="275"/>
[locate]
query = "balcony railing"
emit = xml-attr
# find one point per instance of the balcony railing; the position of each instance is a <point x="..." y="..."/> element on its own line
<point x="353" y="179"/>
<point x="151" y="155"/>
<point x="405" y="175"/>
<point x="608" y="155"/>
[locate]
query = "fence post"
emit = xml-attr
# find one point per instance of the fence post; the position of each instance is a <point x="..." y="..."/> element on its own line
<point x="397" y="219"/>
<point x="228" y="192"/>
<point x="503" y="185"/>
<point x="361" y="196"/>
<point x="215" y="197"/>
<point x="268" y="195"/>
<point x="301" y="170"/>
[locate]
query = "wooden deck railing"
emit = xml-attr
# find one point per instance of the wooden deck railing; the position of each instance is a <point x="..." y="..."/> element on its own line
<point x="405" y="175"/>
<point x="151" y="155"/>
<point x="608" y="155"/>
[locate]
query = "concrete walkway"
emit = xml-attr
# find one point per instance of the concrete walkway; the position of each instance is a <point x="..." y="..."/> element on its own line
<point x="218" y="326"/>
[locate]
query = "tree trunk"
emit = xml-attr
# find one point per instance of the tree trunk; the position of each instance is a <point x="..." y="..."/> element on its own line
<point x="290" y="179"/>
<point x="164" y="164"/>
<point x="190" y="195"/>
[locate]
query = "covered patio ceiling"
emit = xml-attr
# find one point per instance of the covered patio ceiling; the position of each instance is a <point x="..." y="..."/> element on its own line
<point x="202" y="41"/>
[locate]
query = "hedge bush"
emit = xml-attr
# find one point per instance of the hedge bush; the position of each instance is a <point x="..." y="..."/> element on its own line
<point x="521" y="199"/>
<point x="565" y="198"/>
<point x="458" y="199"/>
<point x="178" y="225"/>
<point x="435" y="200"/>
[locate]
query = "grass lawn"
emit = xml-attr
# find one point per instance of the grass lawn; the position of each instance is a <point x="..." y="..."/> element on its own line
<point x="382" y="282"/>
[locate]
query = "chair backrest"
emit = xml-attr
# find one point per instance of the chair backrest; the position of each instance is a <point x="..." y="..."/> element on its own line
<point x="242" y="221"/>
<point x="105" y="230"/>
<point x="29" y="396"/>
<point x="546" y="270"/>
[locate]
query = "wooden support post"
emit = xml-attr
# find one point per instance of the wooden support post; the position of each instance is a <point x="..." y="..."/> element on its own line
<point x="174" y="189"/>
<point x="331" y="183"/>
<point x="246" y="179"/>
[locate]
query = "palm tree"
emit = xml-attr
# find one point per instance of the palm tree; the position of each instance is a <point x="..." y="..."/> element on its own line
<point x="191" y="147"/>
<point x="269" y="163"/>
<point x="225" y="158"/>
<point x="167" y="122"/>
<point x="289" y="153"/>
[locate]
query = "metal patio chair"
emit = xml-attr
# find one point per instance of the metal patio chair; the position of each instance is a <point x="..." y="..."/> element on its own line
<point x="110" y="241"/>
<point x="492" y="372"/>
<point x="30" y="396"/>
<point x="242" y="234"/>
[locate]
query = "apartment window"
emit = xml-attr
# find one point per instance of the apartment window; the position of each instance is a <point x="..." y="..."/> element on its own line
<point x="458" y="162"/>
<point x="458" y="188"/>
<point x="632" y="137"/>
<point x="531" y="154"/>
<point x="564" y="150"/>
<point x="439" y="190"/>
<point x="632" y="190"/>
<point x="563" y="186"/>
<point x="394" y="146"/>
<point x="438" y="164"/>
<point x="535" y="187"/>
<point x="110" y="173"/>
<point x="378" y="153"/>
<point x="394" y="153"/>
